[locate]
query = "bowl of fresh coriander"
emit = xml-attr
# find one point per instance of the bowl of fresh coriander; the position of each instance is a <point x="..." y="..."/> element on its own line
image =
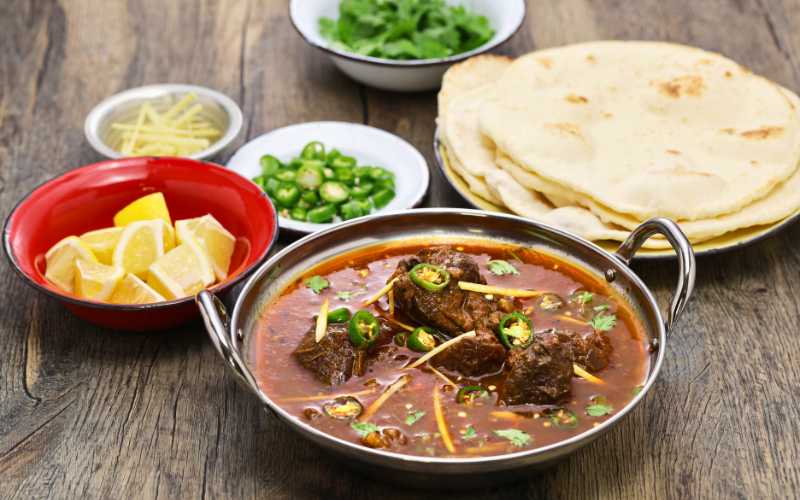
<point x="404" y="45"/>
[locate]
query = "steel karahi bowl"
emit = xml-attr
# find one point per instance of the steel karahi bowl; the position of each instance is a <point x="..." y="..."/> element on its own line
<point x="230" y="335"/>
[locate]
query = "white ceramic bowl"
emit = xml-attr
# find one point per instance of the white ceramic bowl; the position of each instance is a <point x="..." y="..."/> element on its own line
<point x="505" y="16"/>
<point x="368" y="145"/>
<point x="218" y="109"/>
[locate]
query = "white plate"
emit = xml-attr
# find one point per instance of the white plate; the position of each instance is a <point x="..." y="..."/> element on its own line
<point x="368" y="145"/>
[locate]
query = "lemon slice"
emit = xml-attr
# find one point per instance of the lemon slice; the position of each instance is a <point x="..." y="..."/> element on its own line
<point x="96" y="281"/>
<point x="102" y="242"/>
<point x="61" y="259"/>
<point x="140" y="244"/>
<point x="152" y="206"/>
<point x="132" y="290"/>
<point x="212" y="237"/>
<point x="183" y="271"/>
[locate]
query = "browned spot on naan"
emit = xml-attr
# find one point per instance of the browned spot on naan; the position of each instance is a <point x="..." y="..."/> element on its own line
<point x="544" y="61"/>
<point x="762" y="133"/>
<point x="673" y="151"/>
<point x="577" y="99"/>
<point x="590" y="58"/>
<point x="754" y="162"/>
<point x="729" y="131"/>
<point x="568" y="128"/>
<point x="728" y="74"/>
<point x="689" y="85"/>
<point x="607" y="114"/>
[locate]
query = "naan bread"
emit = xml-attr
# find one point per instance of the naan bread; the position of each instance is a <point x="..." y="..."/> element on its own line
<point x="646" y="129"/>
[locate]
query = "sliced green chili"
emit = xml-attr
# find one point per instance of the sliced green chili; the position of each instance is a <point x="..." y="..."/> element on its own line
<point x="363" y="329"/>
<point x="310" y="197"/>
<point x="400" y="339"/>
<point x="269" y="165"/>
<point x="340" y="315"/>
<point x="333" y="192"/>
<point x="285" y="175"/>
<point x="309" y="176"/>
<point x="299" y="213"/>
<point x="343" y="162"/>
<point x="350" y="210"/>
<point x="467" y="395"/>
<point x="382" y="198"/>
<point x="314" y="150"/>
<point x="516" y="330"/>
<point x="322" y="214"/>
<point x="421" y="339"/>
<point x="429" y="277"/>
<point x="287" y="194"/>
<point x="362" y="190"/>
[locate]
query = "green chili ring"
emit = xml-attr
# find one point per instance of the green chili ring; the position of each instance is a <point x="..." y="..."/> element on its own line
<point x="363" y="329"/>
<point x="513" y="336"/>
<point x="422" y="276"/>
<point x="467" y="395"/>
<point x="340" y="315"/>
<point x="421" y="339"/>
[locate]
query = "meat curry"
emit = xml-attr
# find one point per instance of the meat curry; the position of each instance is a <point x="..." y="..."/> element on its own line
<point x="456" y="350"/>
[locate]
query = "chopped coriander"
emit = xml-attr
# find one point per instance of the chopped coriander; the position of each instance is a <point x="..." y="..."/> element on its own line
<point x="408" y="29"/>
<point x="317" y="284"/>
<point x="517" y="437"/>
<point x="636" y="390"/>
<point x="604" y="322"/>
<point x="344" y="295"/>
<point x="501" y="268"/>
<point x="599" y="407"/>
<point x="413" y="416"/>
<point x="601" y="308"/>
<point x="364" y="428"/>
<point x="563" y="418"/>
<point x="469" y="433"/>
<point x="584" y="297"/>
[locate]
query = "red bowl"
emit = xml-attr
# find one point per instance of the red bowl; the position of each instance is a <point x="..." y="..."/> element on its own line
<point x="88" y="197"/>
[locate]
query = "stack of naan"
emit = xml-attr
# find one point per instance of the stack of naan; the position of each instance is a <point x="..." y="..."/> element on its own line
<point x="597" y="137"/>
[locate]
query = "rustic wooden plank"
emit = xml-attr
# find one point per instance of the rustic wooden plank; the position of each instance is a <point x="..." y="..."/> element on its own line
<point x="97" y="414"/>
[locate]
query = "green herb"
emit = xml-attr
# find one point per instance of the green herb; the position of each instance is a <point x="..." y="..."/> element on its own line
<point x="562" y="418"/>
<point x="604" y="322"/>
<point x="469" y="433"/>
<point x="602" y="308"/>
<point x="584" y="297"/>
<point x="405" y="29"/>
<point x="501" y="267"/>
<point x="517" y="437"/>
<point x="599" y="407"/>
<point x="413" y="416"/>
<point x="364" y="428"/>
<point x="636" y="390"/>
<point x="317" y="284"/>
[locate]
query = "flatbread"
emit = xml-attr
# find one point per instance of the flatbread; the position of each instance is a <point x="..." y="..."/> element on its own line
<point x="646" y="129"/>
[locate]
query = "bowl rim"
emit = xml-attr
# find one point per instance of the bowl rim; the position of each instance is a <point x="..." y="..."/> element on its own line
<point x="296" y="227"/>
<point x="93" y="119"/>
<point x="500" y="462"/>
<point x="409" y="63"/>
<point x="220" y="287"/>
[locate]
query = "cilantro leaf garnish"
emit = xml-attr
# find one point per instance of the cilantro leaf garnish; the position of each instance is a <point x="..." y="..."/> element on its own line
<point x="599" y="407"/>
<point x="317" y="284"/>
<point x="405" y="30"/>
<point x="604" y="322"/>
<point x="501" y="268"/>
<point x="517" y="437"/>
<point x="601" y="308"/>
<point x="413" y="416"/>
<point x="636" y="390"/>
<point x="469" y="433"/>
<point x="364" y="428"/>
<point x="583" y="297"/>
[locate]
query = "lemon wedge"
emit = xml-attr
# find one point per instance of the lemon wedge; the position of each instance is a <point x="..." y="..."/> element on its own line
<point x="183" y="271"/>
<point x="212" y="237"/>
<point x="96" y="281"/>
<point x="140" y="244"/>
<point x="152" y="206"/>
<point x="61" y="259"/>
<point x="132" y="290"/>
<point x="102" y="242"/>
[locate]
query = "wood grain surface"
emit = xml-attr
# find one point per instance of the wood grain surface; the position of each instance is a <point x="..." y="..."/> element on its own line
<point x="90" y="413"/>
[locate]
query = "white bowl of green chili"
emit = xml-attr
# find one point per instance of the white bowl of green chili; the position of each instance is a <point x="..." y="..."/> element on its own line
<point x="416" y="59"/>
<point x="319" y="174"/>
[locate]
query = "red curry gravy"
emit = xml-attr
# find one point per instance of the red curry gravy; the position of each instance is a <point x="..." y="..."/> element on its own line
<point x="480" y="429"/>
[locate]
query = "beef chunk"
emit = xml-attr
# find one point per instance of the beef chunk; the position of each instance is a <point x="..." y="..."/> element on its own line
<point x="334" y="359"/>
<point x="540" y="374"/>
<point x="453" y="311"/>
<point x="480" y="355"/>
<point x="591" y="351"/>
<point x="446" y="310"/>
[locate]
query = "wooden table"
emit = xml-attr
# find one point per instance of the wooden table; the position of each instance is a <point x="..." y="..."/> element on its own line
<point x="90" y="413"/>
